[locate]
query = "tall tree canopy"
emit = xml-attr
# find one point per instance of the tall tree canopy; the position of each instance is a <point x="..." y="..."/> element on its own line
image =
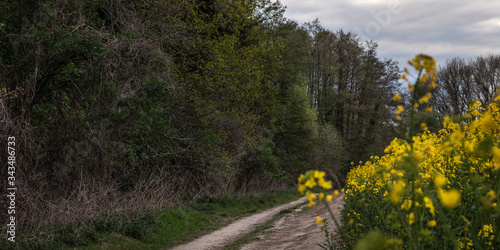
<point x="351" y="88"/>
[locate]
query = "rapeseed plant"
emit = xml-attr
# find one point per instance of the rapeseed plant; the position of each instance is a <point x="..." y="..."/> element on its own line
<point x="433" y="190"/>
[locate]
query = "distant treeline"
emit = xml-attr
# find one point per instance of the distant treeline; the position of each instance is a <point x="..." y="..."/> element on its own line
<point x="120" y="105"/>
<point x="461" y="81"/>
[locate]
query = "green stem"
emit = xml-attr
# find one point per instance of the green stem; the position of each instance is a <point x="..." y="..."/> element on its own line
<point x="407" y="227"/>
<point x="412" y="110"/>
<point x="331" y="215"/>
<point x="413" y="172"/>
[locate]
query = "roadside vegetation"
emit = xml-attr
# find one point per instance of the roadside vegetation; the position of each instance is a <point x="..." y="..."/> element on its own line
<point x="433" y="190"/>
<point x="123" y="106"/>
<point x="430" y="190"/>
<point x="152" y="228"/>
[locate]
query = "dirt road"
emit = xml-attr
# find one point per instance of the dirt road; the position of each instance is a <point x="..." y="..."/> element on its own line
<point x="296" y="230"/>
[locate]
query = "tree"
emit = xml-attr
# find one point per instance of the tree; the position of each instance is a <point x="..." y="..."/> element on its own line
<point x="462" y="81"/>
<point x="351" y="88"/>
<point x="295" y="127"/>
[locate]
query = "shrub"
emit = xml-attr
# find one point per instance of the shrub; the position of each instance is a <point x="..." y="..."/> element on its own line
<point x="330" y="153"/>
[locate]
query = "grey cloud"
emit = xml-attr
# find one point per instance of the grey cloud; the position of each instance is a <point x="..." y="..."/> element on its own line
<point x="443" y="29"/>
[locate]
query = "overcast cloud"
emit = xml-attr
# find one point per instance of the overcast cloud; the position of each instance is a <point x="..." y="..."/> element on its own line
<point x="443" y="29"/>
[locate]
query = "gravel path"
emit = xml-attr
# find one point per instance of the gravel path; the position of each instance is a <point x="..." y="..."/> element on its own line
<point x="296" y="230"/>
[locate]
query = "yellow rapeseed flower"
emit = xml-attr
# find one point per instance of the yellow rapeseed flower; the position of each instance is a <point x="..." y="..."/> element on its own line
<point x="321" y="196"/>
<point x="424" y="78"/>
<point x="397" y="191"/>
<point x="475" y="112"/>
<point x="411" y="87"/>
<point x="416" y="63"/>
<point x="400" y="109"/>
<point x="411" y="218"/>
<point x="423" y="126"/>
<point x="457" y="136"/>
<point x="428" y="109"/>
<point x="469" y="146"/>
<point x="430" y="205"/>
<point x="301" y="178"/>
<point x="495" y="151"/>
<point x="311" y="204"/>
<point x="418" y="156"/>
<point x="425" y="98"/>
<point x="406" y="204"/>
<point x="449" y="199"/>
<point x="319" y="220"/>
<point x="490" y="198"/>
<point x="310" y="196"/>
<point x="325" y="184"/>
<point x="397" y="97"/>
<point x="319" y="174"/>
<point x="335" y="193"/>
<point x="487" y="122"/>
<point x="485" y="231"/>
<point x="329" y="198"/>
<point x="473" y="125"/>
<point x="439" y="180"/>
<point x="431" y="223"/>
<point x="302" y="188"/>
<point x="491" y="194"/>
<point x="310" y="183"/>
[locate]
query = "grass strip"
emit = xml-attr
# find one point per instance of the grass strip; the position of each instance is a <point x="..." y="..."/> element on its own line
<point x="251" y="236"/>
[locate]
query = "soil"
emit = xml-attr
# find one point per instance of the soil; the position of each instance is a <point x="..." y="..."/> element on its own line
<point x="295" y="230"/>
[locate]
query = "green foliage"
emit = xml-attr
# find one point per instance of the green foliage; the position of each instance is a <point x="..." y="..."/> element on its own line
<point x="143" y="121"/>
<point x="295" y="127"/>
<point x="376" y="240"/>
<point x="431" y="120"/>
<point x="262" y="162"/>
<point x="198" y="97"/>
<point x="330" y="153"/>
<point x="227" y="67"/>
<point x="298" y="132"/>
<point x="351" y="88"/>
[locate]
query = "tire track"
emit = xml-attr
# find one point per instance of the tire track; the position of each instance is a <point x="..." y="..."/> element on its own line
<point x="230" y="233"/>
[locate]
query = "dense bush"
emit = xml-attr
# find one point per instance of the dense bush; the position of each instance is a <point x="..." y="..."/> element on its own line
<point x="330" y="154"/>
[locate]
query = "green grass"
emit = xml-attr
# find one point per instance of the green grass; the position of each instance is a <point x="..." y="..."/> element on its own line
<point x="151" y="229"/>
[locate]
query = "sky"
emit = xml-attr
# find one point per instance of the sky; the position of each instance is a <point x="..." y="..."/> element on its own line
<point x="444" y="29"/>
